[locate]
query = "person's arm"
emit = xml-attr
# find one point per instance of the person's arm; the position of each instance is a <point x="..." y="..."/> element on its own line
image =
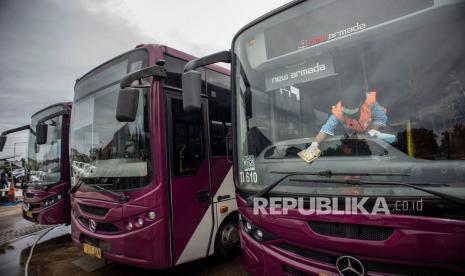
<point x="373" y="126"/>
<point x="320" y="137"/>
<point x="326" y="129"/>
<point x="378" y="116"/>
<point x="379" y="119"/>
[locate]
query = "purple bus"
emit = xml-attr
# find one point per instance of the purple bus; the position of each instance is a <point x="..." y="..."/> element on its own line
<point x="152" y="184"/>
<point x="375" y="90"/>
<point x="46" y="199"/>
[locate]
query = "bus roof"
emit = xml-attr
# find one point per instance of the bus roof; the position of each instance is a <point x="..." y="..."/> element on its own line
<point x="266" y="16"/>
<point x="155" y="48"/>
<point x="65" y="105"/>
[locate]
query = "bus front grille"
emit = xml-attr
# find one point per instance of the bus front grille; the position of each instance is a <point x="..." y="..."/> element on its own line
<point x="351" y="231"/>
<point x="94" y="210"/>
<point x="100" y="227"/>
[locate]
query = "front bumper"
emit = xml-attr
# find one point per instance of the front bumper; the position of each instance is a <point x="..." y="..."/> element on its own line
<point x="54" y="214"/>
<point x="145" y="247"/>
<point x="270" y="259"/>
<point x="260" y="260"/>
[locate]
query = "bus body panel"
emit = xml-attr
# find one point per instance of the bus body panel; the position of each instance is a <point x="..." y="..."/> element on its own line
<point x="145" y="246"/>
<point x="200" y="243"/>
<point x="416" y="243"/>
<point x="168" y="240"/>
<point x="428" y="243"/>
<point x="35" y="196"/>
<point x="54" y="214"/>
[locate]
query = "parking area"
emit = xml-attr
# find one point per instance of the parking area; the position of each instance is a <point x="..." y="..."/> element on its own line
<point x="57" y="255"/>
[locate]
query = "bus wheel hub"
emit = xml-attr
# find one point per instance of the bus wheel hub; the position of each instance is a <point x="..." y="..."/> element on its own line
<point x="229" y="236"/>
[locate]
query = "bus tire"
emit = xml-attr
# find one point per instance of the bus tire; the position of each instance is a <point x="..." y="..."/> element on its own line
<point x="227" y="242"/>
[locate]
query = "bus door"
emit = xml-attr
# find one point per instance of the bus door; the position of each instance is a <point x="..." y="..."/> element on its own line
<point x="189" y="165"/>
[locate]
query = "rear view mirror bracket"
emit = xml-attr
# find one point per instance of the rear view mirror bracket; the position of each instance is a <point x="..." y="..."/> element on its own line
<point x="153" y="71"/>
<point x="192" y="79"/>
<point x="128" y="97"/>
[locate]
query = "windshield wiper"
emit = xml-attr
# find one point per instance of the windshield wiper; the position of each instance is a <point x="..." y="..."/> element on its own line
<point x="327" y="173"/>
<point x="76" y="187"/>
<point x="122" y="197"/>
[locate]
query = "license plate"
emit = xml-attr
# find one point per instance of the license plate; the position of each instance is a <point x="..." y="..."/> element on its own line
<point x="92" y="251"/>
<point x="28" y="214"/>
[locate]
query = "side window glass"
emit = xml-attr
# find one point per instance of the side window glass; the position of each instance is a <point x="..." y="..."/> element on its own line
<point x="218" y="90"/>
<point x="188" y="141"/>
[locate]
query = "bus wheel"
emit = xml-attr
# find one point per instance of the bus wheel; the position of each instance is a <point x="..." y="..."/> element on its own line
<point x="227" y="238"/>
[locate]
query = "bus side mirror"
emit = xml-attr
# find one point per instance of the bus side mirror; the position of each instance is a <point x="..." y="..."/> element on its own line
<point x="2" y="142"/>
<point x="41" y="133"/>
<point x="128" y="103"/>
<point x="191" y="89"/>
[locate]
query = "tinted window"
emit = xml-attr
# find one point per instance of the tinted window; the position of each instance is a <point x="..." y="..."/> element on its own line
<point x="218" y="87"/>
<point x="188" y="140"/>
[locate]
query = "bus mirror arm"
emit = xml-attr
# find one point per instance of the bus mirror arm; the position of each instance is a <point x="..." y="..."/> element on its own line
<point x="56" y="114"/>
<point x="192" y="79"/>
<point x="42" y="127"/>
<point x="153" y="71"/>
<point x="4" y="134"/>
<point x="128" y="97"/>
<point x="223" y="56"/>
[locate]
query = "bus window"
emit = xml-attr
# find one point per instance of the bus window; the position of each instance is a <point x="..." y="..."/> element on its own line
<point x="219" y="112"/>
<point x="188" y="140"/>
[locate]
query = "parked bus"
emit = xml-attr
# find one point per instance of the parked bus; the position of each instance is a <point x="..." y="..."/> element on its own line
<point x="152" y="183"/>
<point x="46" y="199"/>
<point x="403" y="142"/>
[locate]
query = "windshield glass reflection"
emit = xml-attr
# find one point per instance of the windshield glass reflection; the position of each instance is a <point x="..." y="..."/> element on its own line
<point x="104" y="151"/>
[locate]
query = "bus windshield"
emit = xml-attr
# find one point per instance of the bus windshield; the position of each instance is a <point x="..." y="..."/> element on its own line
<point x="103" y="150"/>
<point x="373" y="86"/>
<point x="44" y="161"/>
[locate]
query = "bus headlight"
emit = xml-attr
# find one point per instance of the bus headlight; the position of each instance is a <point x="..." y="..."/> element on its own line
<point x="52" y="200"/>
<point x="254" y="231"/>
<point x="151" y="215"/>
<point x="248" y="227"/>
<point x="259" y="234"/>
<point x="139" y="222"/>
<point x="129" y="226"/>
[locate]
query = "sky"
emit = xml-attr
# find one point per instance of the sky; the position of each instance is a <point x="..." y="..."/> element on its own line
<point x="45" y="45"/>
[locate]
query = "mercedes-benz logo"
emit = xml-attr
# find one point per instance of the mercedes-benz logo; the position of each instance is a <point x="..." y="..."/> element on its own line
<point x="92" y="225"/>
<point x="348" y="265"/>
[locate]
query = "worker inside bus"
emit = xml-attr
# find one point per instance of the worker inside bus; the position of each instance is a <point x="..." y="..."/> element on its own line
<point x="357" y="110"/>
